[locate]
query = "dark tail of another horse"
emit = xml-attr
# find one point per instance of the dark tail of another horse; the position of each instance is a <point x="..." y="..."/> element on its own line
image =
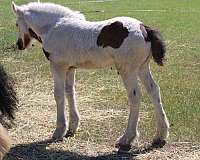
<point x="158" y="47"/>
<point x="8" y="106"/>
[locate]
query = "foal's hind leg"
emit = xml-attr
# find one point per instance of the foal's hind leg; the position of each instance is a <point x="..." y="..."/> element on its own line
<point x="59" y="94"/>
<point x="154" y="92"/>
<point x="73" y="111"/>
<point x="134" y="94"/>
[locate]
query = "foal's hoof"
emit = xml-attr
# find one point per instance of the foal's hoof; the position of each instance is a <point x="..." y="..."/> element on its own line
<point x="57" y="139"/>
<point x="58" y="134"/>
<point x="69" y="134"/>
<point x="158" y="143"/>
<point x="123" y="148"/>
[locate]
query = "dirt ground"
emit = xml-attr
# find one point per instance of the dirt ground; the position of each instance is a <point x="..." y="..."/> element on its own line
<point x="35" y="122"/>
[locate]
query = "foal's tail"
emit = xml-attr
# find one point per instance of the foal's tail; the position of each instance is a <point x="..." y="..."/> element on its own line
<point x="158" y="46"/>
<point x="8" y="106"/>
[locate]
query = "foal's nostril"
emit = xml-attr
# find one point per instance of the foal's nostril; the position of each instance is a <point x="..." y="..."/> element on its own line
<point x="20" y="44"/>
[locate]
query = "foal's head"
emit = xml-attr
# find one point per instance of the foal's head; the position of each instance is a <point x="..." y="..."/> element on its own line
<point x="24" y="37"/>
<point x="39" y="17"/>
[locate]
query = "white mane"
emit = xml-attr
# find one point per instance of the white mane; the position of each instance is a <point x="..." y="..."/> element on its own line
<point x="53" y="9"/>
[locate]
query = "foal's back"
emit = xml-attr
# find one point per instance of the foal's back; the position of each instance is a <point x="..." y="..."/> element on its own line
<point x="72" y="38"/>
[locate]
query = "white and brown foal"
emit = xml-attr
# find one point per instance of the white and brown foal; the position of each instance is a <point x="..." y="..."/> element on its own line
<point x="70" y="42"/>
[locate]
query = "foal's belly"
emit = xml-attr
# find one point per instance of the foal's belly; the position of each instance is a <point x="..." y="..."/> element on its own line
<point x="84" y="60"/>
<point x="94" y="61"/>
<point x="89" y="64"/>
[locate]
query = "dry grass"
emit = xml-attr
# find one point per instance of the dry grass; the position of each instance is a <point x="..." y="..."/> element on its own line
<point x="101" y="124"/>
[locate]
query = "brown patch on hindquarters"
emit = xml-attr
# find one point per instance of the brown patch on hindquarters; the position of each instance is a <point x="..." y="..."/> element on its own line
<point x="112" y="35"/>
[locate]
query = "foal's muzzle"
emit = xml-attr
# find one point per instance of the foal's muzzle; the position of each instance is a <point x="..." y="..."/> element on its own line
<point x="19" y="44"/>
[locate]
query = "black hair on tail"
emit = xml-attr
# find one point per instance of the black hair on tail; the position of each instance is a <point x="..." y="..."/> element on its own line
<point x="8" y="98"/>
<point x="158" y="46"/>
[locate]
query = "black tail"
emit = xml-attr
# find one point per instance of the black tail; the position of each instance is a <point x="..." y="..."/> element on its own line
<point x="8" y="98"/>
<point x="158" y="46"/>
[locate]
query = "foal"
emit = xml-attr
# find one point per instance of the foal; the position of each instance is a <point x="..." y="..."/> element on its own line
<point x="70" y="42"/>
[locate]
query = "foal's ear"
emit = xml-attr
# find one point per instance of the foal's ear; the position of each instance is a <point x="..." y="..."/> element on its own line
<point x="17" y="10"/>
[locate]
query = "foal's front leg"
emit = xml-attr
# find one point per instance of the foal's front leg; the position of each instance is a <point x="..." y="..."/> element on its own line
<point x="134" y="94"/>
<point x="73" y="111"/>
<point x="59" y="94"/>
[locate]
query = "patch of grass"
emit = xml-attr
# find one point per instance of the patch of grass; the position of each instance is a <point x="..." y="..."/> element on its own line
<point x="101" y="96"/>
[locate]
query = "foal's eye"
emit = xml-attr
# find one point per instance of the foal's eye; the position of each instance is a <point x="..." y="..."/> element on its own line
<point x="16" y="25"/>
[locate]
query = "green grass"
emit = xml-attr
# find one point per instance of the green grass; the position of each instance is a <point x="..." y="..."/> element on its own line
<point x="179" y="79"/>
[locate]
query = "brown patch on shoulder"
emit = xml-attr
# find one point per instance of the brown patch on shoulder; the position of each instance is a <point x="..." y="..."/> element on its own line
<point x="112" y="35"/>
<point x="47" y="54"/>
<point x="34" y="35"/>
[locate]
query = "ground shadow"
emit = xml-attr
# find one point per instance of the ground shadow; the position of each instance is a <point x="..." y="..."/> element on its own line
<point x="39" y="151"/>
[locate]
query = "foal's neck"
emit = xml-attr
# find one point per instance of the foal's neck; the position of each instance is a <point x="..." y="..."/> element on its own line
<point x="41" y="28"/>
